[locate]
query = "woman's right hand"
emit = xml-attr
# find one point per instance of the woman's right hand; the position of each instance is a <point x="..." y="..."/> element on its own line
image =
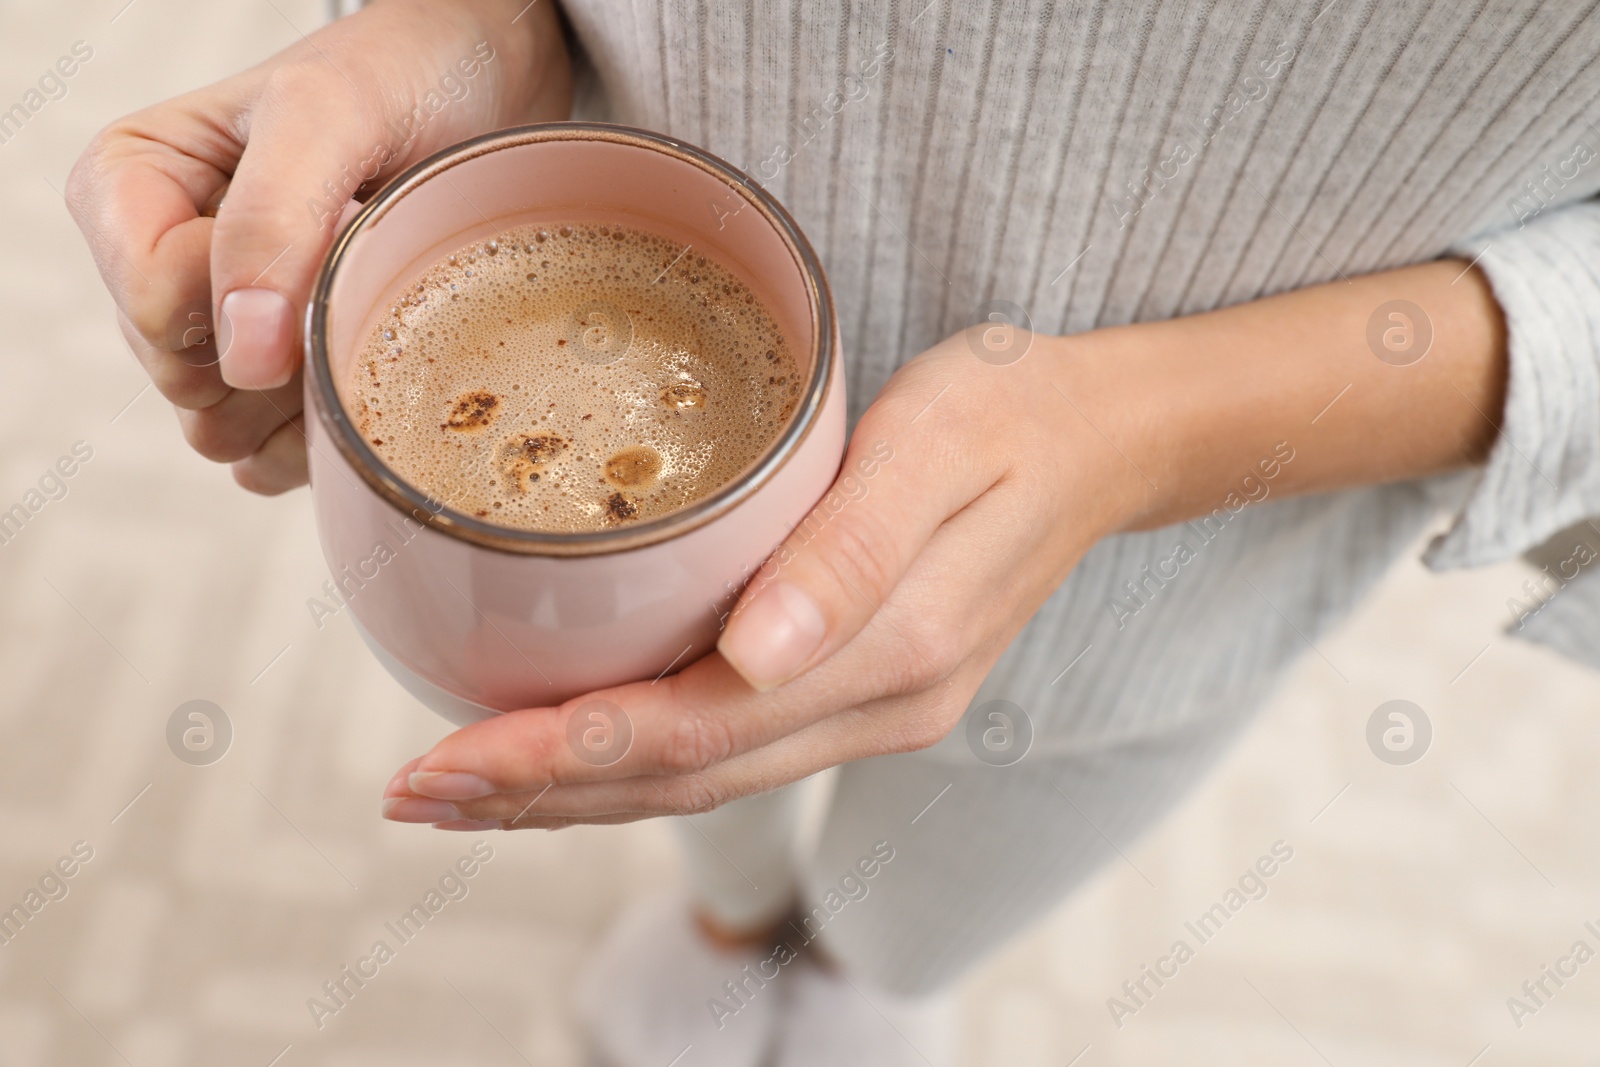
<point x="217" y="206"/>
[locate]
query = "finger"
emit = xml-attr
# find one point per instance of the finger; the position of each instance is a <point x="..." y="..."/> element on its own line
<point x="266" y="243"/>
<point x="856" y="733"/>
<point x="279" y="464"/>
<point x="833" y="572"/>
<point x="137" y="201"/>
<point x="291" y="193"/>
<point x="677" y="725"/>
<point x="680" y="725"/>
<point x="506" y="815"/>
<point x="529" y="749"/>
<point x="331" y="118"/>
<point x="189" y="378"/>
<point x="536" y="823"/>
<point x="240" y="424"/>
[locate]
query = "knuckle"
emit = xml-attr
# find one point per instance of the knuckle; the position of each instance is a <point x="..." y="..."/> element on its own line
<point x="292" y="82"/>
<point x="878" y="421"/>
<point x="267" y="476"/>
<point x="144" y="327"/>
<point x="213" y="435"/>
<point x="246" y="225"/>
<point x="929" y="653"/>
<point x="923" y="731"/>
<point x="695" y="794"/>
<point x="940" y="649"/>
<point x="862" y="557"/>
<point x="693" y="743"/>
<point x="925" y="720"/>
<point x="80" y="180"/>
<point x="187" y="390"/>
<point x="912" y="674"/>
<point x="84" y="180"/>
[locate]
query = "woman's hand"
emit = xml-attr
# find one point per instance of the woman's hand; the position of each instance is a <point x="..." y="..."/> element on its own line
<point x="216" y="207"/>
<point x="968" y="493"/>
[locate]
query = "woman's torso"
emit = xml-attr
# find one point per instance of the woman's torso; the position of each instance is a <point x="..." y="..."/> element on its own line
<point x="1103" y="163"/>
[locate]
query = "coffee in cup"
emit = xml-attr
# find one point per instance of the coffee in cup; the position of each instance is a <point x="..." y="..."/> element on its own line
<point x="572" y="377"/>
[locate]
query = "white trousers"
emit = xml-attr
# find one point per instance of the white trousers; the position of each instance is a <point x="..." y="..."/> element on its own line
<point x="925" y="865"/>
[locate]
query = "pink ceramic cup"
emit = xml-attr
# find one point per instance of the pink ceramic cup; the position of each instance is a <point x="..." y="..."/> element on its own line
<point x="474" y="618"/>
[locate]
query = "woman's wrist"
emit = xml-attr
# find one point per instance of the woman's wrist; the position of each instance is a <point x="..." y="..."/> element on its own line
<point x="1069" y="399"/>
<point x="530" y="61"/>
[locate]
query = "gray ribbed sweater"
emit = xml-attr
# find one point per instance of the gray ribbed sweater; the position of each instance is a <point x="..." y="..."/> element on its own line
<point x="1102" y="163"/>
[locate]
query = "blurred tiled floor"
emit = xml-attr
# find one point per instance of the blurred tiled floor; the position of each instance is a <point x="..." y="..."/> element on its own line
<point x="1416" y="903"/>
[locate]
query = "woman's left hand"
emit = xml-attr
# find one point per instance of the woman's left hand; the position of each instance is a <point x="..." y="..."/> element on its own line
<point x="968" y="493"/>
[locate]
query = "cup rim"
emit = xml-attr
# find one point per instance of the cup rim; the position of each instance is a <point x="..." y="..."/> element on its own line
<point x="416" y="504"/>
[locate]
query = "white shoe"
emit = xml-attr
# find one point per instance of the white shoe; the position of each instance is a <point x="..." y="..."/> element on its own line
<point x="832" y="1020"/>
<point x="657" y="992"/>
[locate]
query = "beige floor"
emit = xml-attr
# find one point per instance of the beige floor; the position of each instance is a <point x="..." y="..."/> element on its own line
<point x="217" y="903"/>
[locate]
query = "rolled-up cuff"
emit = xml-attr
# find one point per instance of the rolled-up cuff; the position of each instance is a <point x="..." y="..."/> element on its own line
<point x="1543" y="473"/>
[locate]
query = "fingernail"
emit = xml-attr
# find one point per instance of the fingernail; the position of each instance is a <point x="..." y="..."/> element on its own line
<point x="416" y="809"/>
<point x="255" y="333"/>
<point x="771" y="639"/>
<point x="468" y="824"/>
<point x="450" y="785"/>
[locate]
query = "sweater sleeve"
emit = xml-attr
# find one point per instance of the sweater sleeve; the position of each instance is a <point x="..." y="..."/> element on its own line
<point x="1543" y="472"/>
<point x="1558" y="605"/>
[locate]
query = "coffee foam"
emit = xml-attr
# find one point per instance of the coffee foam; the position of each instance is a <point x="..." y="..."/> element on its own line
<point x="567" y="378"/>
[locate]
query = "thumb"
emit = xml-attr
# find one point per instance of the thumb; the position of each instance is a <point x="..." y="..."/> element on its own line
<point x="300" y="167"/>
<point x="837" y="568"/>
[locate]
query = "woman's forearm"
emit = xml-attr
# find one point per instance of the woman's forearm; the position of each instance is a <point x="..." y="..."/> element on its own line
<point x="1342" y="377"/>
